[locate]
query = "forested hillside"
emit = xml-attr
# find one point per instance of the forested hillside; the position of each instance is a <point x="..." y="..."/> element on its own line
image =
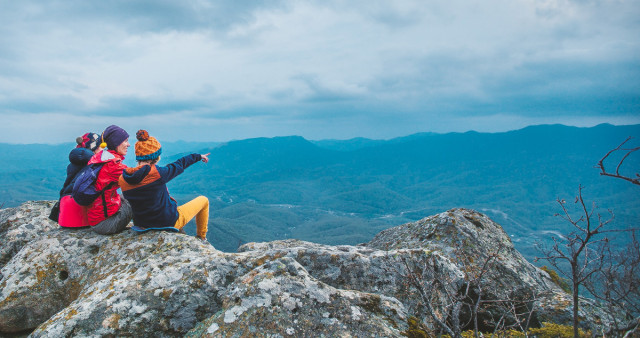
<point x="344" y="192"/>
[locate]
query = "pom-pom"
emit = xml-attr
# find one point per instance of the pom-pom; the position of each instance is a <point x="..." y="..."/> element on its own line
<point x="142" y="135"/>
<point x="103" y="145"/>
<point x="79" y="140"/>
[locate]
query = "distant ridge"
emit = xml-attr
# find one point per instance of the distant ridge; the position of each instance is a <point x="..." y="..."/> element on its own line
<point x="348" y="145"/>
<point x="343" y="192"/>
<point x="361" y="142"/>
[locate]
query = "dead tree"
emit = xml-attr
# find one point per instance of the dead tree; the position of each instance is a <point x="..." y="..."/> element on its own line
<point x="453" y="302"/>
<point x="617" y="284"/>
<point x="513" y="312"/>
<point x="445" y="298"/>
<point x="417" y="280"/>
<point x="616" y="173"/>
<point x="581" y="249"/>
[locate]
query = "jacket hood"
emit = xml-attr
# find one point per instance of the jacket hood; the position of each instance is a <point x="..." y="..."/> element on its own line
<point x="136" y="175"/>
<point x="80" y="156"/>
<point x="106" y="155"/>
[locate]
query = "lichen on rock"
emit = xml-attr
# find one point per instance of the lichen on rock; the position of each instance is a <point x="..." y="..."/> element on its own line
<point x="280" y="298"/>
<point x="66" y="282"/>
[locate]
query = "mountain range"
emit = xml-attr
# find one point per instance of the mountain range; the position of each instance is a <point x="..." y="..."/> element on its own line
<point x="346" y="191"/>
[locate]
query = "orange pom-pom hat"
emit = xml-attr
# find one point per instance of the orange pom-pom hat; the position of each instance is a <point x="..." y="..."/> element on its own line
<point x="147" y="147"/>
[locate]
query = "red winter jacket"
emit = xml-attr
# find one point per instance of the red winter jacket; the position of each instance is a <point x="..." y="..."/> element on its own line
<point x="110" y="172"/>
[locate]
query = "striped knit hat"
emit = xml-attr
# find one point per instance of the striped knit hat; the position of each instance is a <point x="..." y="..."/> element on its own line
<point x="147" y="147"/>
<point x="89" y="141"/>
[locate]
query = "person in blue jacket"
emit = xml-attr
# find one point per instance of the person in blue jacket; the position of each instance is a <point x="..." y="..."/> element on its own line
<point x="145" y="187"/>
<point x="87" y="146"/>
<point x="71" y="214"/>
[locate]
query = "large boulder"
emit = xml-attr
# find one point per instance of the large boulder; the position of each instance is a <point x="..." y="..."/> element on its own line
<point x="19" y="226"/>
<point x="479" y="251"/>
<point x="63" y="282"/>
<point x="75" y="282"/>
<point x="280" y="298"/>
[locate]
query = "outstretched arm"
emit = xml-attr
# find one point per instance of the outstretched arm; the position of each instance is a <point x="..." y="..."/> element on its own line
<point x="176" y="168"/>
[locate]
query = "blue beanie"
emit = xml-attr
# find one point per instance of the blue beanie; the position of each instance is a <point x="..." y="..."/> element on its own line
<point x="113" y="136"/>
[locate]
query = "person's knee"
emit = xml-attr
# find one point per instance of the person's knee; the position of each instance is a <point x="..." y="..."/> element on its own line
<point x="127" y="210"/>
<point x="205" y="201"/>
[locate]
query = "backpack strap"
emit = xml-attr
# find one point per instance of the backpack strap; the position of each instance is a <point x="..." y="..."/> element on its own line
<point x="104" y="199"/>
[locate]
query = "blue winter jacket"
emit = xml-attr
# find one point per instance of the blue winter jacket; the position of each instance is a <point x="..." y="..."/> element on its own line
<point x="78" y="158"/>
<point x="145" y="187"/>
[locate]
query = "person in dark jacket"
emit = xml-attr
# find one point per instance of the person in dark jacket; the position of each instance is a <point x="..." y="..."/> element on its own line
<point x="145" y="187"/>
<point x="71" y="214"/>
<point x="87" y="146"/>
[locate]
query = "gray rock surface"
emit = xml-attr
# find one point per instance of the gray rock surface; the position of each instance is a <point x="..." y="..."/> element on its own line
<point x="280" y="298"/>
<point x="62" y="282"/>
<point x="18" y="226"/>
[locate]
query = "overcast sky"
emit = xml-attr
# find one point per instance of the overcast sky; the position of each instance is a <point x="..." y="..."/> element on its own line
<point x="206" y="70"/>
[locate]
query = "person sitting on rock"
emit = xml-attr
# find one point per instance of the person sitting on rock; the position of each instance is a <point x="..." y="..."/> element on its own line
<point x="145" y="187"/>
<point x="110" y="214"/>
<point x="72" y="214"/>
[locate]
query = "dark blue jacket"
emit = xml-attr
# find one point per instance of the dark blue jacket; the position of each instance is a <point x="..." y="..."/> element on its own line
<point x="78" y="158"/>
<point x="145" y="187"/>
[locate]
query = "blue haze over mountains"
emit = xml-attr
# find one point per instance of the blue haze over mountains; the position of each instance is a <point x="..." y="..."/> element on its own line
<point x="344" y="192"/>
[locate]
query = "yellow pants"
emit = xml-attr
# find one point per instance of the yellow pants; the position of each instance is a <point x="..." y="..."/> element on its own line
<point x="198" y="208"/>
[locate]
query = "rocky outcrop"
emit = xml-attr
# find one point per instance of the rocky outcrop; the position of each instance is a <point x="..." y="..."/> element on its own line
<point x="19" y="226"/>
<point x="62" y="282"/>
<point x="280" y="298"/>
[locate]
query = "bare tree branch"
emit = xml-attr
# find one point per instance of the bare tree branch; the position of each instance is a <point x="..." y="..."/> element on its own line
<point x="417" y="282"/>
<point x="617" y="174"/>
<point x="584" y="253"/>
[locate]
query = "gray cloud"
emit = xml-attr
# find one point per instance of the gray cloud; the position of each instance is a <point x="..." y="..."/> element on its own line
<point x="135" y="106"/>
<point x="346" y="69"/>
<point x="320" y="92"/>
<point x="137" y="16"/>
<point x="42" y="104"/>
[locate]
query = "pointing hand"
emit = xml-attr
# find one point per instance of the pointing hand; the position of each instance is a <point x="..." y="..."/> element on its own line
<point x="205" y="157"/>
